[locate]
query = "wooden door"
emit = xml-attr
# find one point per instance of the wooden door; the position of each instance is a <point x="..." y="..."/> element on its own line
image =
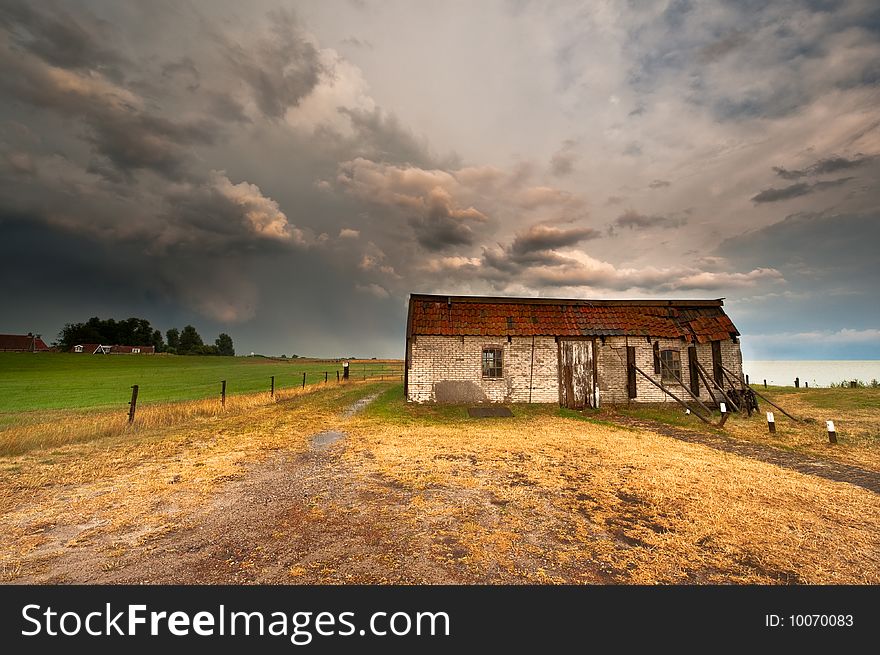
<point x="576" y="373"/>
<point x="692" y="366"/>
<point x="716" y="363"/>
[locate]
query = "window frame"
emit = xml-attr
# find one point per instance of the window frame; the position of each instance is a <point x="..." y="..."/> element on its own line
<point x="666" y="370"/>
<point x="497" y="363"/>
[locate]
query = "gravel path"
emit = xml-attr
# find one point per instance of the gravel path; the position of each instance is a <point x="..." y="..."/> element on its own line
<point x="799" y="462"/>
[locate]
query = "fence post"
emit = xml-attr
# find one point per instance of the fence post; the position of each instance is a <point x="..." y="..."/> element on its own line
<point x="223" y="393"/>
<point x="272" y="388"/>
<point x="337" y="376"/>
<point x="325" y="377"/>
<point x="344" y="370"/>
<point x="304" y="379"/>
<point x="797" y="383"/>
<point x="133" y="403"/>
<point x="765" y="384"/>
<point x="832" y="433"/>
<point x="771" y="423"/>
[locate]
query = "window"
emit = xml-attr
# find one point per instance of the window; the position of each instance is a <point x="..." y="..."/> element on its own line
<point x="670" y="364"/>
<point x="135" y="351"/>
<point x="492" y="362"/>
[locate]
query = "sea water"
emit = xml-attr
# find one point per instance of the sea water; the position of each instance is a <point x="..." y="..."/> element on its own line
<point x="818" y="373"/>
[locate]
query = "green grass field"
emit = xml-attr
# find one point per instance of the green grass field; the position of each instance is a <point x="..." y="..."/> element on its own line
<point x="67" y="381"/>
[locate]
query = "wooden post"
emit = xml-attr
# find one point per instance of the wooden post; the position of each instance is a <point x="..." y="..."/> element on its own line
<point x="223" y="393"/>
<point x="718" y="387"/>
<point x="771" y="423"/>
<point x="304" y="380"/>
<point x="325" y="376"/>
<point x="344" y="370"/>
<point x="747" y="379"/>
<point x="132" y="405"/>
<point x="688" y="391"/>
<point x="724" y="415"/>
<point x="668" y="393"/>
<point x="765" y="383"/>
<point x="806" y="385"/>
<point x="832" y="433"/>
<point x="272" y="388"/>
<point x="337" y="376"/>
<point x="771" y="403"/>
<point x="797" y="383"/>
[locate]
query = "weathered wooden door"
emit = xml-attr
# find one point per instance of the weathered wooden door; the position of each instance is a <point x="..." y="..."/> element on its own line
<point x="576" y="373"/>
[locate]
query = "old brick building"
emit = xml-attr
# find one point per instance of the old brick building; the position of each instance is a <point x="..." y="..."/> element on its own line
<point x="574" y="352"/>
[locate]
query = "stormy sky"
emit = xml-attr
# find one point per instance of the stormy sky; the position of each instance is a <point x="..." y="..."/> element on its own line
<point x="289" y="172"/>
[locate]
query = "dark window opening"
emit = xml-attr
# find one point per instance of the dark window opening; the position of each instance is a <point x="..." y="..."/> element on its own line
<point x="492" y="362"/>
<point x="670" y="363"/>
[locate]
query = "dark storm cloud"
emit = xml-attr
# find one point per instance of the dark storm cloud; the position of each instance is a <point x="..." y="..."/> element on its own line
<point x="51" y="32"/>
<point x="633" y="220"/>
<point x="436" y="233"/>
<point x="825" y="166"/>
<point x="281" y="69"/>
<point x="659" y="184"/>
<point x="133" y="140"/>
<point x="535" y="247"/>
<point x="380" y="136"/>
<point x="184" y="67"/>
<point x="548" y="237"/>
<point x="829" y="261"/>
<point x="795" y="45"/>
<point x="797" y="190"/>
<point x="226" y="108"/>
<point x="120" y="130"/>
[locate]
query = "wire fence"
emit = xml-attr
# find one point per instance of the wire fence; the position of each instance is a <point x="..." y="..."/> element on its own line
<point x="372" y="371"/>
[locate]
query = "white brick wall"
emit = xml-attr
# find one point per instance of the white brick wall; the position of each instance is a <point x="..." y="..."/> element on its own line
<point x="436" y="361"/>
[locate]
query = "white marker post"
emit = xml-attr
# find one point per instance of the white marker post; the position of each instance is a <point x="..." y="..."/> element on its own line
<point x="832" y="435"/>
<point x="687" y="411"/>
<point x="724" y="414"/>
<point x="771" y="423"/>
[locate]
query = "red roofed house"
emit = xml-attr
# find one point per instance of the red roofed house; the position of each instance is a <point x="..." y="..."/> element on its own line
<point x="24" y="343"/>
<point x="466" y="349"/>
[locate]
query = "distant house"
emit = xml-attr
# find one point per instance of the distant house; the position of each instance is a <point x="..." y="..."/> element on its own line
<point x="132" y="350"/>
<point x="465" y="349"/>
<point x="22" y="343"/>
<point x="98" y="349"/>
<point x="90" y="349"/>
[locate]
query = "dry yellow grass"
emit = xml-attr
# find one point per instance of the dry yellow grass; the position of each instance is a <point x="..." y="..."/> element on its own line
<point x="48" y="429"/>
<point x="537" y="498"/>
<point x="640" y="507"/>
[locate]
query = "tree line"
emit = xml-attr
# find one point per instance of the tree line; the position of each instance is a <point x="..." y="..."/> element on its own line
<point x="139" y="332"/>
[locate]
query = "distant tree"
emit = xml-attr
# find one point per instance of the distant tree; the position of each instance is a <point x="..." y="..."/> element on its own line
<point x="157" y="341"/>
<point x="129" y="332"/>
<point x="190" y="342"/>
<point x="172" y="336"/>
<point x="224" y="345"/>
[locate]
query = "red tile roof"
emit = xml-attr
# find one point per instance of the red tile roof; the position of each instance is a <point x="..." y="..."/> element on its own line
<point x="700" y="320"/>
<point x="22" y="342"/>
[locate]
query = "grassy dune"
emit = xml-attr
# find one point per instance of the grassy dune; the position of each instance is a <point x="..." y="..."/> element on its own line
<point x="69" y="381"/>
